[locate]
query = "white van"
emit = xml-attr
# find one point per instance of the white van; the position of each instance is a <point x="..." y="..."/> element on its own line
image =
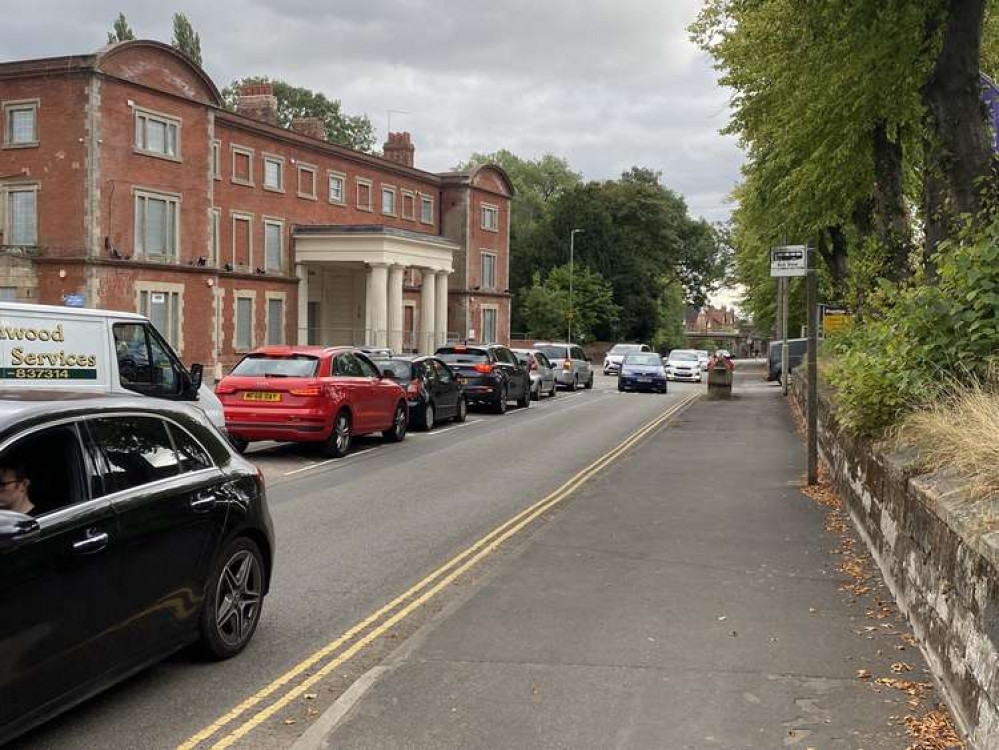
<point x="47" y="347"/>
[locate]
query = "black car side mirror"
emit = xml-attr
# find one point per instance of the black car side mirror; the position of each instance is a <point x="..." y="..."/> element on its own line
<point x="16" y="528"/>
<point x="195" y="377"/>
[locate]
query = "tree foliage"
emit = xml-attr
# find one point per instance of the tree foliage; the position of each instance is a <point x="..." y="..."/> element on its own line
<point x="548" y="311"/>
<point x="120" y="30"/>
<point x="186" y="39"/>
<point x="352" y="131"/>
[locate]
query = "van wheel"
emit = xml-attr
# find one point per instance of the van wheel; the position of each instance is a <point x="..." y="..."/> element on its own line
<point x="338" y="443"/>
<point x="231" y="608"/>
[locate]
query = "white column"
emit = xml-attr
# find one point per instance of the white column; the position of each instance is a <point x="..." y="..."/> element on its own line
<point x="376" y="307"/>
<point x="440" y="314"/>
<point x="395" y="316"/>
<point x="302" y="271"/>
<point x="428" y="311"/>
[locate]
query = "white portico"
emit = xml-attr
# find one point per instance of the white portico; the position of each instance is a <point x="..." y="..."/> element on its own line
<point x="351" y="282"/>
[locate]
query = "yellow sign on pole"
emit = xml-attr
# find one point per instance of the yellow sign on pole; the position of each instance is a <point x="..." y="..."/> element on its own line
<point x="835" y="321"/>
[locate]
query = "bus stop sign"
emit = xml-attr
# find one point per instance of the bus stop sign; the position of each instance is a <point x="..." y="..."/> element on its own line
<point x="789" y="260"/>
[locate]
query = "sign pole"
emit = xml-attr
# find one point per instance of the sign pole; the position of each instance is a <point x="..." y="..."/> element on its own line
<point x="813" y="385"/>
<point x="785" y="375"/>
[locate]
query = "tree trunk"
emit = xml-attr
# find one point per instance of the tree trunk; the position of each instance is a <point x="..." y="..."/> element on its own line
<point x="833" y="248"/>
<point x="952" y="96"/>
<point x="936" y="225"/>
<point x="892" y="220"/>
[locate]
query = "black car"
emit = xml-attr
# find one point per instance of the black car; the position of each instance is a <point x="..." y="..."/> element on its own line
<point x="139" y="531"/>
<point x="796" y="350"/>
<point x="492" y="374"/>
<point x="435" y="393"/>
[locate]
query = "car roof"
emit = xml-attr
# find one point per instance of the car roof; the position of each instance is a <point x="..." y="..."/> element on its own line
<point x="287" y="350"/>
<point x="21" y="406"/>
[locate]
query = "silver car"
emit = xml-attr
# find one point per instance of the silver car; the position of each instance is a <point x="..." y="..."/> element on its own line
<point x="612" y="362"/>
<point x="572" y="366"/>
<point x="541" y="370"/>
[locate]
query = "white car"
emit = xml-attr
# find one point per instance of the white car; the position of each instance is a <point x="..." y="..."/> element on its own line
<point x="703" y="355"/>
<point x="612" y="361"/>
<point x="683" y="364"/>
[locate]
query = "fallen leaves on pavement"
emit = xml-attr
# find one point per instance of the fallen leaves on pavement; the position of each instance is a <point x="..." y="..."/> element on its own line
<point x="932" y="731"/>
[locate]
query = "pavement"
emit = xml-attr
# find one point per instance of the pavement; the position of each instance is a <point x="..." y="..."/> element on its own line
<point x="688" y="597"/>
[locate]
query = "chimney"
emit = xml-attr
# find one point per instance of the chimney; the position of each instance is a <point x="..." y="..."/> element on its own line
<point x="399" y="148"/>
<point x="257" y="100"/>
<point x="310" y="126"/>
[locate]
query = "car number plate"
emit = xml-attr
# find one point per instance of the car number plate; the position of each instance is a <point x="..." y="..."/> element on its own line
<point x="645" y="380"/>
<point x="261" y="396"/>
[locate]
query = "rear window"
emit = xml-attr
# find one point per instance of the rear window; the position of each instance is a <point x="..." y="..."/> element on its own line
<point x="262" y="365"/>
<point x="454" y="356"/>
<point x="395" y="369"/>
<point x="553" y="352"/>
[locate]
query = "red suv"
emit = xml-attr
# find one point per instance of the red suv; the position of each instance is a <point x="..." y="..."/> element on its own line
<point x="310" y="394"/>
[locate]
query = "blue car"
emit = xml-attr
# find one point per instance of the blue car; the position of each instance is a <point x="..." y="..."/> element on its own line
<point x="642" y="371"/>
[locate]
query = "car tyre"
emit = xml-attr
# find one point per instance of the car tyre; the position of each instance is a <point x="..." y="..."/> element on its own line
<point x="536" y="392"/>
<point x="620" y="387"/>
<point x="499" y="406"/>
<point x="462" y="413"/>
<point x="554" y="391"/>
<point x="231" y="608"/>
<point x="429" y="416"/>
<point x="575" y="383"/>
<point x="589" y="383"/>
<point x="525" y="398"/>
<point x="397" y="433"/>
<point x="338" y="443"/>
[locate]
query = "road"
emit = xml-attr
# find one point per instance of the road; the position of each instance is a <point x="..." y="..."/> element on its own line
<point x="352" y="535"/>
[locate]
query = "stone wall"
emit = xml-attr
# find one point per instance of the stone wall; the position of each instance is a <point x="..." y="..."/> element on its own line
<point x="939" y="552"/>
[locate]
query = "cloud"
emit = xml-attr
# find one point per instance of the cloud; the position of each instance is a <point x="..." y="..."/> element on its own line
<point x="606" y="84"/>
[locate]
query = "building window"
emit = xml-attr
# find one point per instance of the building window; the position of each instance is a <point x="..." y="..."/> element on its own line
<point x="363" y="194"/>
<point x="214" y="240"/>
<point x="156" y="225"/>
<point x="490" y="218"/>
<point x="163" y="310"/>
<point x="275" y="321"/>
<point x="242" y="241"/>
<point x="22" y="216"/>
<point x="273" y="173"/>
<point x="337" y="180"/>
<point x="408" y="205"/>
<point x="217" y="160"/>
<point x="272" y="245"/>
<point x="156" y="134"/>
<point x="20" y="123"/>
<point x="488" y="325"/>
<point x="388" y="201"/>
<point x="307" y="181"/>
<point x="426" y="209"/>
<point x="243" y="334"/>
<point x="8" y="294"/>
<point x="488" y="271"/>
<point x="242" y="165"/>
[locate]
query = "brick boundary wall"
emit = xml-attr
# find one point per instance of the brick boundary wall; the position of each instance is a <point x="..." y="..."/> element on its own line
<point x="939" y="556"/>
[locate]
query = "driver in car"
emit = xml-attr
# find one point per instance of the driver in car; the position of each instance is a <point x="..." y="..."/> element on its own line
<point x="14" y="485"/>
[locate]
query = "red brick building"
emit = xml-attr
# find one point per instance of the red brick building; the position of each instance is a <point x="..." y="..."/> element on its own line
<point x="125" y="184"/>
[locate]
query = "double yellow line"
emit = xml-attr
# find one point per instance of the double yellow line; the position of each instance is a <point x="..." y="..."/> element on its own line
<point x="418" y="595"/>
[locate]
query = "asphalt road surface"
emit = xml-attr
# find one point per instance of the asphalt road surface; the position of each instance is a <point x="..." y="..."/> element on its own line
<point x="352" y="535"/>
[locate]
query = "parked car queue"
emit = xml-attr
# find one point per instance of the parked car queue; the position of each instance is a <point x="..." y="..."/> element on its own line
<point x="328" y="396"/>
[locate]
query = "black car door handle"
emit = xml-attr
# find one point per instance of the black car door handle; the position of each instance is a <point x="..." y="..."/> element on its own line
<point x="203" y="501"/>
<point x="91" y="543"/>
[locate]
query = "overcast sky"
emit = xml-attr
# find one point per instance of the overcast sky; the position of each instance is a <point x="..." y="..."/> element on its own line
<point x="607" y="84"/>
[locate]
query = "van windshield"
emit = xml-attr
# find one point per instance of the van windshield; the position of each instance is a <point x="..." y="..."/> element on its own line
<point x="265" y="366"/>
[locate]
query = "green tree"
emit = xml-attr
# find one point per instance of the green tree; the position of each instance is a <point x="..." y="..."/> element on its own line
<point x="352" y="131"/>
<point x="120" y="30"/>
<point x="547" y="309"/>
<point x="670" y="334"/>
<point x="186" y="39"/>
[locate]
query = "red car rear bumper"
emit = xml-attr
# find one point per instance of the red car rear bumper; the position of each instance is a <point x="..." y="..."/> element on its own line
<point x="298" y="425"/>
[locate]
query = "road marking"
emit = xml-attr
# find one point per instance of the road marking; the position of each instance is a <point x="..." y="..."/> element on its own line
<point x="458" y="426"/>
<point x="423" y="592"/>
<point x="317" y="464"/>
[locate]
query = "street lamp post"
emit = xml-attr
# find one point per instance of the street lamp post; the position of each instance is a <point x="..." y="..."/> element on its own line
<point x="572" y="247"/>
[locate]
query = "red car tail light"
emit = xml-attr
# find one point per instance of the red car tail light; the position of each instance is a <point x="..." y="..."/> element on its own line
<point x="413" y="389"/>
<point x="483" y="368"/>
<point x="223" y="390"/>
<point x="309" y="390"/>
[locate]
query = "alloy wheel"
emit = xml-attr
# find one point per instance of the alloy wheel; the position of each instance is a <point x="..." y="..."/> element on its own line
<point x="342" y="433"/>
<point x="237" y="598"/>
<point x="428" y="417"/>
